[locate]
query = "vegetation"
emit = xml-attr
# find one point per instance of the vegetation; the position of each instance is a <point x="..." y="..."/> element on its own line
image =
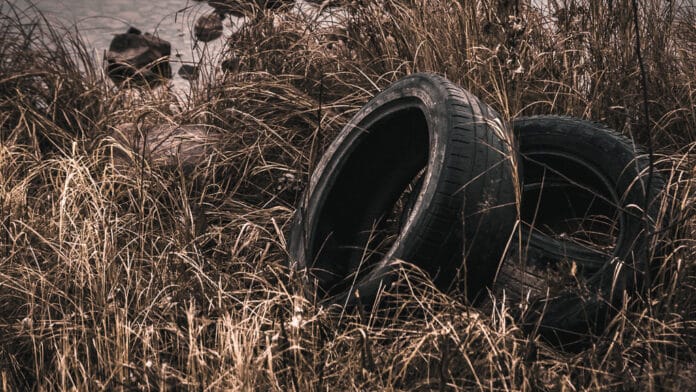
<point x="118" y="273"/>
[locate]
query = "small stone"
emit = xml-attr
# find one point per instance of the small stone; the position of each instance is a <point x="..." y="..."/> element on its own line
<point x="208" y="27"/>
<point x="275" y="4"/>
<point x="241" y="9"/>
<point x="230" y="7"/>
<point x="230" y="64"/>
<point x="188" y="72"/>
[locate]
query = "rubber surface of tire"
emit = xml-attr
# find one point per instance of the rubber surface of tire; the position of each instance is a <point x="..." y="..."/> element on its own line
<point x="568" y="318"/>
<point x="421" y="124"/>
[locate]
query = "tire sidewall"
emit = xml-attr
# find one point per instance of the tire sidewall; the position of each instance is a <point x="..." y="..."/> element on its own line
<point x="416" y="91"/>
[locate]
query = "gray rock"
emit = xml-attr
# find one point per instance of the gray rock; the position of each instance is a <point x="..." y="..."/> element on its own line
<point x="208" y="27"/>
<point x="187" y="146"/>
<point x="241" y="8"/>
<point x="231" y="7"/>
<point x="138" y="58"/>
<point x="274" y="4"/>
<point x="230" y="64"/>
<point x="188" y="72"/>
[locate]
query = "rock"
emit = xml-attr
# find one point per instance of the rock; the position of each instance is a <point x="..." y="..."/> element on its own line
<point x="188" y="72"/>
<point x="133" y="30"/>
<point x="138" y="58"/>
<point x="230" y="64"/>
<point x="241" y="9"/>
<point x="208" y="27"/>
<point x="163" y="145"/>
<point x="231" y="7"/>
<point x="274" y="4"/>
<point x="329" y="3"/>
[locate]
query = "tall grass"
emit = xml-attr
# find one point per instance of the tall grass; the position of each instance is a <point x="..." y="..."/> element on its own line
<point x="126" y="274"/>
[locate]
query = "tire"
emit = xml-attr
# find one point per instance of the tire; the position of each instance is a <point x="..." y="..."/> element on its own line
<point x="575" y="170"/>
<point x="421" y="129"/>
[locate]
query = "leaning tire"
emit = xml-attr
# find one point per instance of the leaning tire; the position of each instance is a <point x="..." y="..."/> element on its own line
<point x="582" y="205"/>
<point x="421" y="129"/>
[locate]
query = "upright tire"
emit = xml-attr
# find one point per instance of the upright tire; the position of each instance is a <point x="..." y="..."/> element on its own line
<point x="422" y="128"/>
<point x="584" y="193"/>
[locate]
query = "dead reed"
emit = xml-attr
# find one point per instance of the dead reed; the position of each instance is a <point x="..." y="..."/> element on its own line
<point x="149" y="277"/>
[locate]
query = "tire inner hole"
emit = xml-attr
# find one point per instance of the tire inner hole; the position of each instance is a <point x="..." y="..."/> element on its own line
<point x="571" y="203"/>
<point x="361" y="216"/>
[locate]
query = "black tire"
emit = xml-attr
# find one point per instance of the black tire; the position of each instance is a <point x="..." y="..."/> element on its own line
<point x="587" y="170"/>
<point x="421" y="126"/>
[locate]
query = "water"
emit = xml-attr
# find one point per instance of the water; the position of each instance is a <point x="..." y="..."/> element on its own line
<point x="99" y="20"/>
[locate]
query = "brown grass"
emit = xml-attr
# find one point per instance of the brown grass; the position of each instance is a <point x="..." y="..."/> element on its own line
<point x="151" y="277"/>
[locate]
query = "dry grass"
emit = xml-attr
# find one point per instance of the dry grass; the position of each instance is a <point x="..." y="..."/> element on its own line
<point x="146" y="277"/>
